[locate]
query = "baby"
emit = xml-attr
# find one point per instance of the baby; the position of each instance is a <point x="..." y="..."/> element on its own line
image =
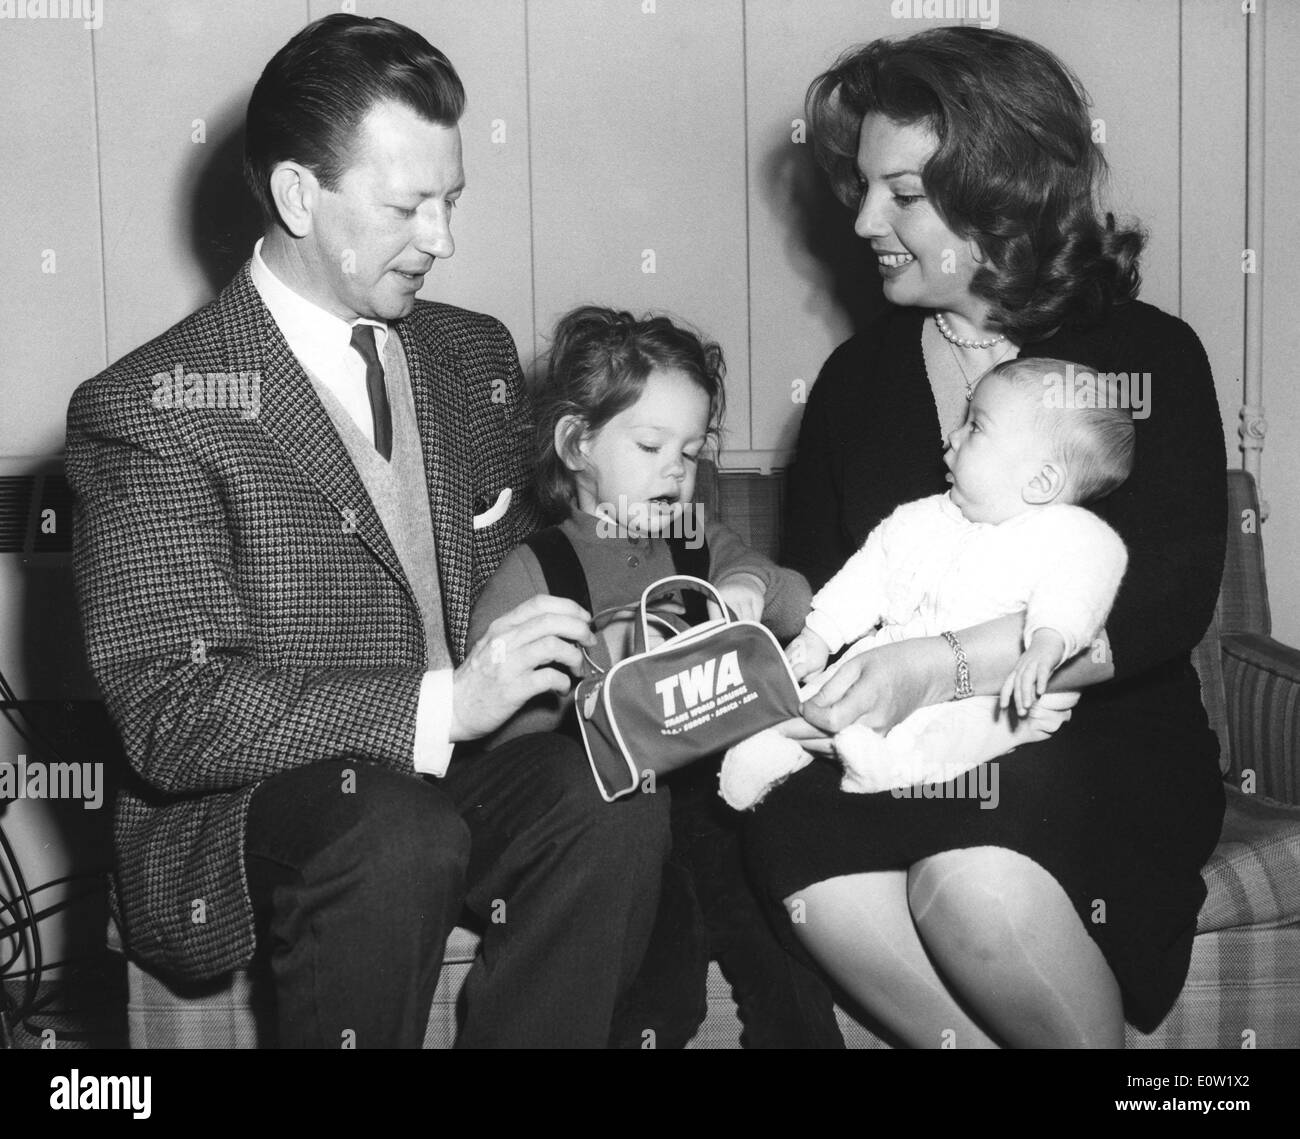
<point x="1009" y="537"/>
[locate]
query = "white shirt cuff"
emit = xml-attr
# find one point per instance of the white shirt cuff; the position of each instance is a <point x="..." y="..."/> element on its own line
<point x="433" y="744"/>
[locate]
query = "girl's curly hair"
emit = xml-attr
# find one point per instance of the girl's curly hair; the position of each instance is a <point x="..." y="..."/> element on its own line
<point x="598" y="364"/>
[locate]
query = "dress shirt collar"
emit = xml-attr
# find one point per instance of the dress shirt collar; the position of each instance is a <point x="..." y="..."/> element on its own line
<point x="318" y="338"/>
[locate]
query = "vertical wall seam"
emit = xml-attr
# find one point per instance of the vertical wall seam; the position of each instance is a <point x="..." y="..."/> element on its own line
<point x="532" y="210"/>
<point x="99" y="194"/>
<point x="749" y="281"/>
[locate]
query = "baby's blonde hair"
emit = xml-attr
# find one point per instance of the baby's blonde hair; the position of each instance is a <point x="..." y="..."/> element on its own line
<point x="1091" y="432"/>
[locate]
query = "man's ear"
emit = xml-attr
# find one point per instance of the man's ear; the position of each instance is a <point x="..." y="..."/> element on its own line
<point x="295" y="192"/>
<point x="1047" y="485"/>
<point x="571" y="442"/>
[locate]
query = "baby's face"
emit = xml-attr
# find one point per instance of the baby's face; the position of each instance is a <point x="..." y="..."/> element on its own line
<point x="995" y="454"/>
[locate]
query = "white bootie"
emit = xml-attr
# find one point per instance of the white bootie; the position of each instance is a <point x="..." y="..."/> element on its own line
<point x="753" y="767"/>
<point x="865" y="756"/>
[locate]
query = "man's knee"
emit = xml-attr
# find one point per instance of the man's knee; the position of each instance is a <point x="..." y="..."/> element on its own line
<point x="354" y="816"/>
<point x="408" y="829"/>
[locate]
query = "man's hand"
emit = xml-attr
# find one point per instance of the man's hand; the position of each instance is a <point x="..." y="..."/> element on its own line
<point x="744" y="594"/>
<point x="807" y="654"/>
<point x="532" y="649"/>
<point x="883" y="686"/>
<point x="1028" y="680"/>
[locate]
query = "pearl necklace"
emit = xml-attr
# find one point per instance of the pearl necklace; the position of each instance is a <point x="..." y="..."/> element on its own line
<point x="965" y="377"/>
<point x="961" y="341"/>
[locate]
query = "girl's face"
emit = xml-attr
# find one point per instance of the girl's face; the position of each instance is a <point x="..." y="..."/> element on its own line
<point x="921" y="260"/>
<point x="641" y="464"/>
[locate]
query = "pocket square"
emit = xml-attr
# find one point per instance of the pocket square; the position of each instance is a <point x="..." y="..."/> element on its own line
<point x="495" y="512"/>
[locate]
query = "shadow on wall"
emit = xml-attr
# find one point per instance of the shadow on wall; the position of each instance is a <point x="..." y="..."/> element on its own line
<point x="819" y="242"/>
<point x="225" y="222"/>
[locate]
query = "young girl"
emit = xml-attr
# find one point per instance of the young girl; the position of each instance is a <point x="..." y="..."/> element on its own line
<point x="624" y="410"/>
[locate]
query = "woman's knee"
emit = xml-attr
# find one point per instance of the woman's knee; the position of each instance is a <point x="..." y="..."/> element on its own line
<point x="975" y="895"/>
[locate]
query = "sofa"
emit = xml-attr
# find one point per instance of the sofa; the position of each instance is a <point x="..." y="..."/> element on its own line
<point x="1243" y="987"/>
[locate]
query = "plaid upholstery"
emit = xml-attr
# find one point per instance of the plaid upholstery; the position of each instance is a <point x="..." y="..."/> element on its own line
<point x="1253" y="876"/>
<point x="1262" y="679"/>
<point x="244" y="610"/>
<point x="1243" y="986"/>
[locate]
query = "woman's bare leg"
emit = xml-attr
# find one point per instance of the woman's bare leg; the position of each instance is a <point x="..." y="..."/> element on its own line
<point x="1005" y="935"/>
<point x="860" y="929"/>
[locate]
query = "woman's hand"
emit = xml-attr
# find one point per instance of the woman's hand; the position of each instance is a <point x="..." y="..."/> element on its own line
<point x="883" y="686"/>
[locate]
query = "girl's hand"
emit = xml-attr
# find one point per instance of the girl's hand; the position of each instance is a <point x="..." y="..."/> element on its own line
<point x="744" y="594"/>
<point x="883" y="686"/>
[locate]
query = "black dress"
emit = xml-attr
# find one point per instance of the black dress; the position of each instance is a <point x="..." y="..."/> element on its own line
<point x="1124" y="804"/>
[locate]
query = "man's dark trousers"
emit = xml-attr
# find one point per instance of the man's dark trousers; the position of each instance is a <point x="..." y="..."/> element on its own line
<point x="358" y="874"/>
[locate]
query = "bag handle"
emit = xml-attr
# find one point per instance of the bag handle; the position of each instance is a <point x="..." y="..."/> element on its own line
<point x="666" y="583"/>
<point x="605" y="615"/>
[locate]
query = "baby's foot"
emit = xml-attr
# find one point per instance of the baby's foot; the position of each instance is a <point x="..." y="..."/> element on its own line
<point x="753" y="767"/>
<point x="865" y="757"/>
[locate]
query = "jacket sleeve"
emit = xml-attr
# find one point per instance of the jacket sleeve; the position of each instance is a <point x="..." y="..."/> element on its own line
<point x="170" y="640"/>
<point x="787" y="597"/>
<point x="517" y="579"/>
<point x="852" y="603"/>
<point x="1079" y="563"/>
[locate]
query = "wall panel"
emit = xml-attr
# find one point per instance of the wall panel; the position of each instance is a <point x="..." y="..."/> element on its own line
<point x="638" y="163"/>
<point x="51" y="281"/>
<point x="172" y="83"/>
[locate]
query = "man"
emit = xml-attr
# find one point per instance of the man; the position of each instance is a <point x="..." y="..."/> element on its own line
<point x="276" y="594"/>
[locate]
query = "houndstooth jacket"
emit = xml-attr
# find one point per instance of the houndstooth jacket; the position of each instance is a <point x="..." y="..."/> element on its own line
<point x="244" y="610"/>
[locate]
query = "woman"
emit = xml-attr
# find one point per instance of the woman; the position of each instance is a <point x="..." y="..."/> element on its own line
<point x="1071" y="904"/>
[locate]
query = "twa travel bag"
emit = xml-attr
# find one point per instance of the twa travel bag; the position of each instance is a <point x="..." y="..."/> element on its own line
<point x="695" y="695"/>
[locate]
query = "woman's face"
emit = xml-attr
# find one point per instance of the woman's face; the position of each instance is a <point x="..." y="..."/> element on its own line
<point x="922" y="261"/>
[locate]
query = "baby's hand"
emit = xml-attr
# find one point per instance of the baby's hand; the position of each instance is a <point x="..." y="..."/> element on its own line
<point x="744" y="594"/>
<point x="807" y="654"/>
<point x="1028" y="680"/>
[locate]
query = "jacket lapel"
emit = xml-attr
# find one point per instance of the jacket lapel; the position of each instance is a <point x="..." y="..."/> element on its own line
<point x="293" y="416"/>
<point x="440" y="412"/>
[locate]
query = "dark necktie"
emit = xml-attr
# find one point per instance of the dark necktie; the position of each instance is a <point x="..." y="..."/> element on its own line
<point x="363" y="340"/>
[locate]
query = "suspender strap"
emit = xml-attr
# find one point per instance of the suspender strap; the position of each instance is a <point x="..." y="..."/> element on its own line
<point x="693" y="563"/>
<point x="565" y="577"/>
<point x="560" y="566"/>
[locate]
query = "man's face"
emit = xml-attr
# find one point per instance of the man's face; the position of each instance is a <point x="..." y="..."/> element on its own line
<point x="374" y="238"/>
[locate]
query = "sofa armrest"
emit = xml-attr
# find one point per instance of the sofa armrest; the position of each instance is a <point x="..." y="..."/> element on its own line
<point x="1261" y="679"/>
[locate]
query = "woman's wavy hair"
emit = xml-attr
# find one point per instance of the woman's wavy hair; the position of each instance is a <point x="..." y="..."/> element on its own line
<point x="1016" y="168"/>
<point x="599" y="362"/>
